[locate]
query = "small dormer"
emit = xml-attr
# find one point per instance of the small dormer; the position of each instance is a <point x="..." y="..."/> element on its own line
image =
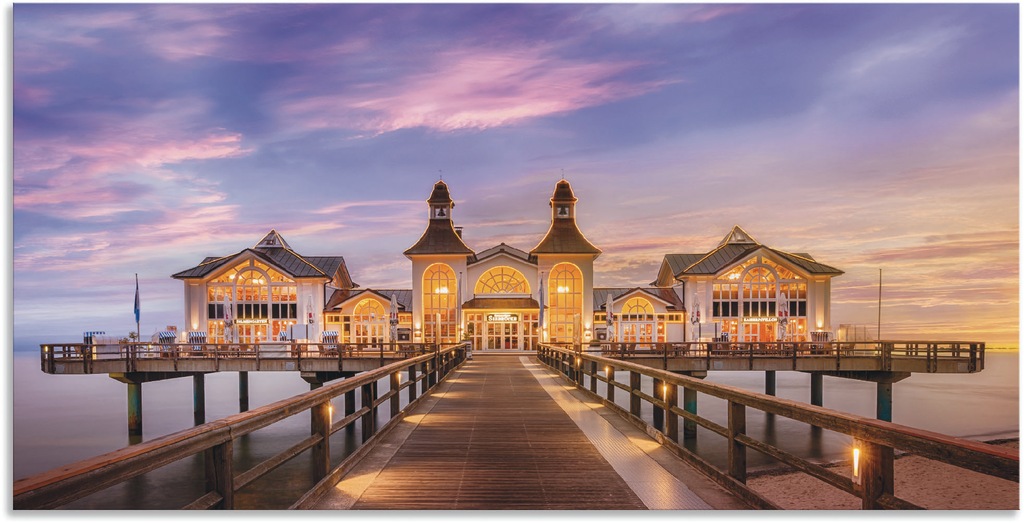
<point x="440" y="202"/>
<point x="272" y="240"/>
<point x="737" y="236"/>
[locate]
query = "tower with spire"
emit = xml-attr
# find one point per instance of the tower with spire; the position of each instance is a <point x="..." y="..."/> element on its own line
<point x="438" y="266"/>
<point x="565" y="247"/>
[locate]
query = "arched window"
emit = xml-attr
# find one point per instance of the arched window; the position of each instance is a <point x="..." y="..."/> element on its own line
<point x="759" y="292"/>
<point x="754" y="290"/>
<point x="502" y="280"/>
<point x="263" y="304"/>
<point x="636" y="322"/>
<point x="439" y="296"/>
<point x="637" y="309"/>
<point x="369" y="322"/>
<point x="565" y="303"/>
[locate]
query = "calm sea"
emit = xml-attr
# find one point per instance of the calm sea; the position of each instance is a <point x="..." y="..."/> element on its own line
<point x="63" y="419"/>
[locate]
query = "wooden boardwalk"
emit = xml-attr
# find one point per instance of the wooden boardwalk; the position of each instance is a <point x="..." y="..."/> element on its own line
<point x="494" y="438"/>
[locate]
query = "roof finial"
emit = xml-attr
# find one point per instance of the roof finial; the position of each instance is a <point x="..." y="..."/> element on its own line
<point x="563" y="174"/>
<point x="440" y="174"/>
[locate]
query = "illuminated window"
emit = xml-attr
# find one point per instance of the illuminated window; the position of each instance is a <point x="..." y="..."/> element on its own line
<point x="636" y="322"/>
<point x="439" y="296"/>
<point x="759" y="292"/>
<point x="761" y="288"/>
<point x="369" y="322"/>
<point x="263" y="298"/>
<point x="502" y="280"/>
<point x="565" y="303"/>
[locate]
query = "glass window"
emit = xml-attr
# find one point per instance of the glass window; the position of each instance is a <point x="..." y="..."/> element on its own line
<point x="502" y="280"/>
<point x="565" y="303"/>
<point x="370" y="322"/>
<point x="439" y="296"/>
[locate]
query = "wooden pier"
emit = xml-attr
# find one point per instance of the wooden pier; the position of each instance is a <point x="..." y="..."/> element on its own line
<point x="508" y="432"/>
<point x="492" y="438"/>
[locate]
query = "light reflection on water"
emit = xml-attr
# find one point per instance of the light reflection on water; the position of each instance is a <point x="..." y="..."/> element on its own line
<point x="63" y="419"/>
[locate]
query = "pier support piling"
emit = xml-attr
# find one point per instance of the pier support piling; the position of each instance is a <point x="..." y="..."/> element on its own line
<point x="883" y="401"/>
<point x="817" y="388"/>
<point x="769" y="382"/>
<point x="134" y="409"/>
<point x="198" y="399"/>
<point x="243" y="391"/>
<point x="690" y="405"/>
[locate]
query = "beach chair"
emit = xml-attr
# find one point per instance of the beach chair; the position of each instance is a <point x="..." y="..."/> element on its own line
<point x="329" y="343"/>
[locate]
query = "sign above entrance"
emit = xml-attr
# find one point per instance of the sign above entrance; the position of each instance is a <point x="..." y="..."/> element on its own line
<point x="499" y="317"/>
<point x="252" y="321"/>
<point x="760" y="319"/>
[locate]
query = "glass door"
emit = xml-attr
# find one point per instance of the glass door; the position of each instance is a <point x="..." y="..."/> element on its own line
<point x="511" y="337"/>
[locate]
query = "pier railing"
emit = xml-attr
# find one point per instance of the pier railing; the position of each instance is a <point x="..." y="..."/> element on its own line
<point x="875" y="440"/>
<point x="84" y="358"/>
<point x="927" y="354"/>
<point x="215" y="440"/>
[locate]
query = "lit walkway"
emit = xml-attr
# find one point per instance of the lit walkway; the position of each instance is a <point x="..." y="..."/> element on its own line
<point x="505" y="433"/>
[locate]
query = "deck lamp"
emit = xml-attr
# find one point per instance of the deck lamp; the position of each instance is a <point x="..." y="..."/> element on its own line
<point x="856" y="473"/>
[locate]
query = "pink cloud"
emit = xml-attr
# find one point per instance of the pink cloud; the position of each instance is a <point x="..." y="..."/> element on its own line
<point x="104" y="172"/>
<point x="471" y="89"/>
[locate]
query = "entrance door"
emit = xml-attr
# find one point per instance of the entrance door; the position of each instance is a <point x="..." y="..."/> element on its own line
<point x="761" y="331"/>
<point x="503" y="336"/>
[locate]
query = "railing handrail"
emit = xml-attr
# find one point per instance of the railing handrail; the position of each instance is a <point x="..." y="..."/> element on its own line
<point x="972" y="455"/>
<point x="97" y="473"/>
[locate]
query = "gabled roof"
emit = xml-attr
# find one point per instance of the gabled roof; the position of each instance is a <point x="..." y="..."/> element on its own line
<point x="502" y="248"/>
<point x="564" y="237"/>
<point x="273" y="250"/>
<point x="666" y="295"/>
<point x="402" y="296"/>
<point x="735" y="248"/>
<point x="439" y="238"/>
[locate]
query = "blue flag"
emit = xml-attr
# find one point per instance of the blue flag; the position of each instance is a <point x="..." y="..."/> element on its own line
<point x="137" y="298"/>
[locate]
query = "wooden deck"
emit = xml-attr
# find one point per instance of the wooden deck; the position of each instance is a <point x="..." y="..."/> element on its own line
<point x="491" y="438"/>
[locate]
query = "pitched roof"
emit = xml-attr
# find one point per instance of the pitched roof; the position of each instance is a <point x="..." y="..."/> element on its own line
<point x="502" y="248"/>
<point x="664" y="294"/>
<point x="273" y="250"/>
<point x="439" y="238"/>
<point x="734" y="248"/>
<point x="564" y="237"/>
<point x="402" y="296"/>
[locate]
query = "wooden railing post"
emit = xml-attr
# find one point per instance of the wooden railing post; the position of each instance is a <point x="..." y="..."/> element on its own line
<point x="659" y="412"/>
<point x="396" y="382"/>
<point x="220" y="476"/>
<point x="876" y="472"/>
<point x="737" y="451"/>
<point x="368" y="418"/>
<point x="593" y="376"/>
<point x="412" y="383"/>
<point x="321" y="415"/>
<point x="634" y="400"/>
<point x="610" y="375"/>
<point x="671" y="418"/>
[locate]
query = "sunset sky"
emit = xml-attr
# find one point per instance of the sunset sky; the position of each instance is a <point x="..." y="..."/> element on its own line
<point x="147" y="137"/>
